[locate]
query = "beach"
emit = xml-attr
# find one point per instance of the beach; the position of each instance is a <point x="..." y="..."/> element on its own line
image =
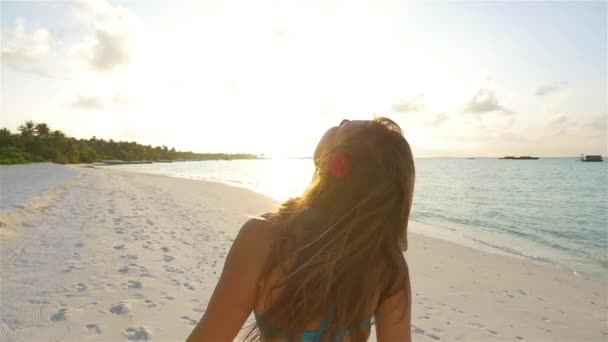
<point x="114" y="255"/>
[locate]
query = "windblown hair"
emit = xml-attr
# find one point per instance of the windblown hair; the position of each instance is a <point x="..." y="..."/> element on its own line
<point x="339" y="246"/>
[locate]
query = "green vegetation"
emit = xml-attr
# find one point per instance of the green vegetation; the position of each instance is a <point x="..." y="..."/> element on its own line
<point x="36" y="142"/>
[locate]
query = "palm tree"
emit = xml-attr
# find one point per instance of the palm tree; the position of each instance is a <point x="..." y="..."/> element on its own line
<point x="6" y="138"/>
<point x="57" y="134"/>
<point x="27" y="129"/>
<point x="42" y="130"/>
<point x="5" y="133"/>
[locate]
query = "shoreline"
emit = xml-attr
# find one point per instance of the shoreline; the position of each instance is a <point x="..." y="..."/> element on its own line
<point x="122" y="254"/>
<point x="429" y="229"/>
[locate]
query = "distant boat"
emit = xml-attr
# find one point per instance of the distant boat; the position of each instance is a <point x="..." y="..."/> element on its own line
<point x="590" y="158"/>
<point x="519" y="158"/>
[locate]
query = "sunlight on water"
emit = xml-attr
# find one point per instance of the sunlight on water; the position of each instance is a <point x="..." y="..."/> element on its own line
<point x="277" y="178"/>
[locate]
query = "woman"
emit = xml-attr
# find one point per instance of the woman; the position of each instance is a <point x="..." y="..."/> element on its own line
<point x="328" y="264"/>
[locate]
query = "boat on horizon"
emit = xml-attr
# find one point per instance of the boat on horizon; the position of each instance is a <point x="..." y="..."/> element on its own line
<point x="520" y="158"/>
<point x="590" y="158"/>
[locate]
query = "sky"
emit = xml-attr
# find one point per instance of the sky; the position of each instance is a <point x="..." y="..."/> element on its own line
<point x="461" y="78"/>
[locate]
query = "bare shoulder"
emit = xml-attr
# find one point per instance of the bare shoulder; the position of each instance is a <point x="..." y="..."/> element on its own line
<point x="256" y="231"/>
<point x="255" y="239"/>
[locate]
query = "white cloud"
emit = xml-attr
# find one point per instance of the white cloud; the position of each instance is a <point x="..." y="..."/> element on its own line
<point x="122" y="99"/>
<point x="88" y="102"/>
<point x="94" y="102"/>
<point x="414" y="104"/>
<point x="599" y="123"/>
<point x="549" y="89"/>
<point x="558" y="120"/>
<point x="111" y="45"/>
<point x="439" y="120"/>
<point x="485" y="101"/>
<point x="279" y="31"/>
<point x="26" y="49"/>
<point x="435" y="121"/>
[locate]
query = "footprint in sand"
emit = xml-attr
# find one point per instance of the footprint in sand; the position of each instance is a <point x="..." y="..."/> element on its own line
<point x="60" y="315"/>
<point x="134" y="284"/>
<point x="38" y="305"/>
<point x="123" y="270"/>
<point x="79" y="244"/>
<point x="167" y="258"/>
<point x="422" y="332"/>
<point x="172" y="269"/>
<point x="93" y="328"/>
<point x="493" y="332"/>
<point x="164" y="249"/>
<point x="129" y="257"/>
<point x="149" y="303"/>
<point x="80" y="287"/>
<point x="121" y="308"/>
<point x="119" y="247"/>
<point x="189" y="320"/>
<point x="68" y="269"/>
<point x="137" y="334"/>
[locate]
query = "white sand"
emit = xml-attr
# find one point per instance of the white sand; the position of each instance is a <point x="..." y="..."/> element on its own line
<point x="115" y="255"/>
<point x="20" y="184"/>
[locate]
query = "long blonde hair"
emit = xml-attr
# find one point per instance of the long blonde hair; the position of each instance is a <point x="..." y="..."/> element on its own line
<point x="340" y="244"/>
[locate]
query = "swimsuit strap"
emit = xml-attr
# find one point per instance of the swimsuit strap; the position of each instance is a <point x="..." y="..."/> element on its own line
<point x="315" y="336"/>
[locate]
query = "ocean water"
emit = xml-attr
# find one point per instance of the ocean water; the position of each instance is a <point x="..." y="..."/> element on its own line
<point x="552" y="211"/>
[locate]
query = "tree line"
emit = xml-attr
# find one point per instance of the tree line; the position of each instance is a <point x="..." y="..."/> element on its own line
<point x="37" y="142"/>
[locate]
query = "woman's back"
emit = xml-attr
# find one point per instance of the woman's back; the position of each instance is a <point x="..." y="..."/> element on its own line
<point x="326" y="262"/>
<point x="316" y="328"/>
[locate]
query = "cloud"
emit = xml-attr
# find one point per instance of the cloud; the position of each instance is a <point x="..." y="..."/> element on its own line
<point x="26" y="50"/>
<point x="111" y="45"/>
<point x="549" y="88"/>
<point x="414" y="104"/>
<point x="558" y="120"/>
<point x="598" y="123"/>
<point x="560" y="124"/>
<point x="434" y="121"/>
<point x="439" y="120"/>
<point x="93" y="102"/>
<point x="485" y="101"/>
<point x="279" y="31"/>
<point x="122" y="99"/>
<point x="88" y="102"/>
<point x="110" y="50"/>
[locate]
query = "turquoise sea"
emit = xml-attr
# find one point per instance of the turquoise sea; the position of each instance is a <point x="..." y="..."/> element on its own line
<point x="552" y="211"/>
